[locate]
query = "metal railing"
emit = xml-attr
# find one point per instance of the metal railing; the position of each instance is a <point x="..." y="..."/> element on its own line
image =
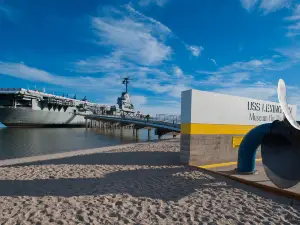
<point x="165" y="120"/>
<point x="168" y="118"/>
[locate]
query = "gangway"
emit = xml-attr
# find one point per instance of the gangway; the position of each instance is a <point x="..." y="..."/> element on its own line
<point x="162" y="127"/>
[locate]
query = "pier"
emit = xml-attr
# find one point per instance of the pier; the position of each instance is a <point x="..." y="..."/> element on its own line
<point x="163" y="124"/>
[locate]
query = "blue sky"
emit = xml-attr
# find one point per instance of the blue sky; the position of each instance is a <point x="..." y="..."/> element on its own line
<point x="238" y="47"/>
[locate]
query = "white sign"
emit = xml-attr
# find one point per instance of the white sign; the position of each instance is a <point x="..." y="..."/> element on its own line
<point x="213" y="108"/>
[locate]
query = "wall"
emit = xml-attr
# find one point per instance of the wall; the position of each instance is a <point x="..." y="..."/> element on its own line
<point x="213" y="125"/>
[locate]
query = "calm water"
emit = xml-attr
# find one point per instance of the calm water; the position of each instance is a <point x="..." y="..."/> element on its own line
<point x="22" y="142"/>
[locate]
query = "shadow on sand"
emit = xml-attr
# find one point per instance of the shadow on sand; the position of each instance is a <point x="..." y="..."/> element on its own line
<point x="167" y="184"/>
<point x="116" y="158"/>
<point x="153" y="183"/>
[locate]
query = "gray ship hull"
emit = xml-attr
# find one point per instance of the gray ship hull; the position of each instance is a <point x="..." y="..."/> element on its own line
<point x="27" y="117"/>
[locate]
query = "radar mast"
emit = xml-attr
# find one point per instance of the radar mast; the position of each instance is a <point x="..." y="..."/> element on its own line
<point x="126" y="82"/>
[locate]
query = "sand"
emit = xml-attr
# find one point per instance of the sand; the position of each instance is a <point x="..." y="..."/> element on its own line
<point x="141" y="184"/>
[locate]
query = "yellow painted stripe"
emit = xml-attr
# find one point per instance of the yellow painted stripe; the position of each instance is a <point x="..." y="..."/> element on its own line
<point x="221" y="164"/>
<point x="197" y="128"/>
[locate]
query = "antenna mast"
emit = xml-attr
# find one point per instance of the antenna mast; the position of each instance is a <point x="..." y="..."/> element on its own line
<point x="126" y="81"/>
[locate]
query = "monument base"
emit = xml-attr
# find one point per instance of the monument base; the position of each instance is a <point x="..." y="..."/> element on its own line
<point x="204" y="149"/>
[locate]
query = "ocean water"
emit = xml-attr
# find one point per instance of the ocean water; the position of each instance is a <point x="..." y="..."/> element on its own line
<point x="23" y="142"/>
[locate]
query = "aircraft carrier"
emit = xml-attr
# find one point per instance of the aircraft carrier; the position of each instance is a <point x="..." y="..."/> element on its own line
<point x="21" y="107"/>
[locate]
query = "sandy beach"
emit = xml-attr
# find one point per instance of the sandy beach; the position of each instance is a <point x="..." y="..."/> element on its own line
<point x="141" y="184"/>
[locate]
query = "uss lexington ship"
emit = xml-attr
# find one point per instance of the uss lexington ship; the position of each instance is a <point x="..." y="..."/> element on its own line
<point x="30" y="108"/>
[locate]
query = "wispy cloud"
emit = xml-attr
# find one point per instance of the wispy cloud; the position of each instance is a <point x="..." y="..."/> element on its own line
<point x="267" y="6"/>
<point x="157" y="2"/>
<point x="243" y="66"/>
<point x="166" y="107"/>
<point x="137" y="37"/>
<point x="296" y="14"/>
<point x="274" y="5"/>
<point x="213" y="60"/>
<point x="237" y="73"/>
<point x="177" y="71"/>
<point x="139" y="100"/>
<point x="137" y="41"/>
<point x="138" y="15"/>
<point x="249" y="4"/>
<point x="243" y="78"/>
<point x="139" y="51"/>
<point x="258" y="90"/>
<point x="292" y="53"/>
<point x="9" y="13"/>
<point x="156" y="105"/>
<point x="294" y="20"/>
<point x="293" y="30"/>
<point x="195" y="50"/>
<point x="23" y="71"/>
<point x="224" y="80"/>
<point x="167" y="32"/>
<point x="112" y="62"/>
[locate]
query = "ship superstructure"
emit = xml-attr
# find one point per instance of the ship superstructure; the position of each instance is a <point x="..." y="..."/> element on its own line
<point x="124" y="102"/>
<point x="23" y="107"/>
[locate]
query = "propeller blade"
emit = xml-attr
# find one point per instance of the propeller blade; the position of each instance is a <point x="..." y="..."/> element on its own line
<point x="283" y="103"/>
<point x="280" y="160"/>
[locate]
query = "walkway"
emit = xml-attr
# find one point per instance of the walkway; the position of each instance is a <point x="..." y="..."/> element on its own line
<point x="153" y="123"/>
<point x="259" y="180"/>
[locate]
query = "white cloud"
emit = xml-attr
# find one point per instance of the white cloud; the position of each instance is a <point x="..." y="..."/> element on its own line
<point x="254" y="65"/>
<point x="276" y="56"/>
<point x="239" y="73"/>
<point x="145" y="78"/>
<point x="138" y="100"/>
<point x="170" y="89"/>
<point x="293" y="30"/>
<point x="103" y="64"/>
<point x="195" y="50"/>
<point x="177" y="71"/>
<point x="137" y="37"/>
<point x="157" y="2"/>
<point x="155" y="106"/>
<point x="170" y="107"/>
<point x="267" y="6"/>
<point x="292" y="53"/>
<point x="248" y="4"/>
<point x="133" y="39"/>
<point x="225" y="80"/>
<point x="274" y="5"/>
<point x="129" y="33"/>
<point x="259" y="90"/>
<point x="166" y="31"/>
<point x="139" y="50"/>
<point x="21" y="70"/>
